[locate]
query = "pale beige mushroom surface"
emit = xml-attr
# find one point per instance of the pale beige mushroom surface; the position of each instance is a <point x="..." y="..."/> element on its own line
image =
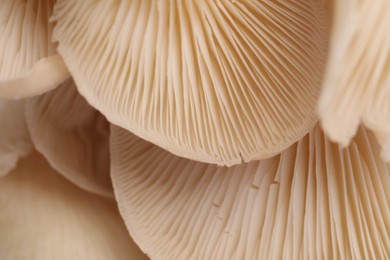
<point x="313" y="201"/>
<point x="29" y="64"/>
<point x="357" y="83"/>
<point x="43" y="216"/>
<point x="215" y="81"/>
<point x="72" y="136"/>
<point x="194" y="86"/>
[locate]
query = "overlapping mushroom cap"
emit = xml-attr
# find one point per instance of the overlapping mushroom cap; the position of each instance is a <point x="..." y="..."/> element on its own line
<point x="29" y="64"/>
<point x="215" y="81"/>
<point x="313" y="201"/>
<point x="73" y="137"/>
<point x="357" y="83"/>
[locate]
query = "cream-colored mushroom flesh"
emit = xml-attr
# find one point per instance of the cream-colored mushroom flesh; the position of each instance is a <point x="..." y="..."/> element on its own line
<point x="313" y="201"/>
<point x="45" y="217"/>
<point x="357" y="85"/>
<point x="29" y="64"/>
<point x="15" y="141"/>
<point x="214" y="81"/>
<point x="72" y="136"/>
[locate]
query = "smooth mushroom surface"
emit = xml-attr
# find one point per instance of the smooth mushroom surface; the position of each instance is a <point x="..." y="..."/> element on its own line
<point x="45" y="217"/>
<point x="15" y="141"/>
<point x="72" y="136"/>
<point x="29" y="64"/>
<point x="214" y="81"/>
<point x="357" y="82"/>
<point x="313" y="201"/>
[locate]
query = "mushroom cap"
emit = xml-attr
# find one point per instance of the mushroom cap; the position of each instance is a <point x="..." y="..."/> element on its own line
<point x="43" y="216"/>
<point x="313" y="201"/>
<point x="15" y="141"/>
<point x="72" y="136"/>
<point x="357" y="83"/>
<point x="214" y="81"/>
<point x="29" y="64"/>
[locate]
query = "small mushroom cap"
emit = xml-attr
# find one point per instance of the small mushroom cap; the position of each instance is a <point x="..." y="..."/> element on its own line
<point x="29" y="64"/>
<point x="45" y="217"/>
<point x="15" y="141"/>
<point x="214" y="81"/>
<point x="73" y="137"/>
<point x="357" y="83"/>
<point x="313" y="201"/>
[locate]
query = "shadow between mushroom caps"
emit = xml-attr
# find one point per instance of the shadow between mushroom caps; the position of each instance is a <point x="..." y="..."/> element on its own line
<point x="72" y="136"/>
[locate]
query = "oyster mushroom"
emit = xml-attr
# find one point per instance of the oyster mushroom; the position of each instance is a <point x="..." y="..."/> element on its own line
<point x="214" y="81"/>
<point x="15" y="141"/>
<point x="43" y="216"/>
<point x="29" y="64"/>
<point x="313" y="201"/>
<point x="357" y="83"/>
<point x="72" y="136"/>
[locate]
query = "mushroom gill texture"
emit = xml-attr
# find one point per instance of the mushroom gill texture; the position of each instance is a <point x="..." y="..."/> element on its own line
<point x="29" y="64"/>
<point x="313" y="201"/>
<point x="72" y="136"/>
<point x="357" y="82"/>
<point x="215" y="81"/>
<point x="45" y="217"/>
<point x="15" y="141"/>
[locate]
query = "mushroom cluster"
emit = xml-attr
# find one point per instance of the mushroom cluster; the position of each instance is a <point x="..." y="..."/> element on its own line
<point x="194" y="129"/>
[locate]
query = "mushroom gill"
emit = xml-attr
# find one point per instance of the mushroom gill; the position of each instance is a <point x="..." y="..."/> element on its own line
<point x="45" y="217"/>
<point x="15" y="141"/>
<point x="29" y="64"/>
<point x="72" y="136"/>
<point x="214" y="81"/>
<point x="313" y="201"/>
<point x="357" y="82"/>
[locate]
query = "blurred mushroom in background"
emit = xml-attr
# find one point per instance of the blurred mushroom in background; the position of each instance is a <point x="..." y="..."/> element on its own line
<point x="72" y="136"/>
<point x="29" y="64"/>
<point x="357" y="83"/>
<point x="43" y="216"/>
